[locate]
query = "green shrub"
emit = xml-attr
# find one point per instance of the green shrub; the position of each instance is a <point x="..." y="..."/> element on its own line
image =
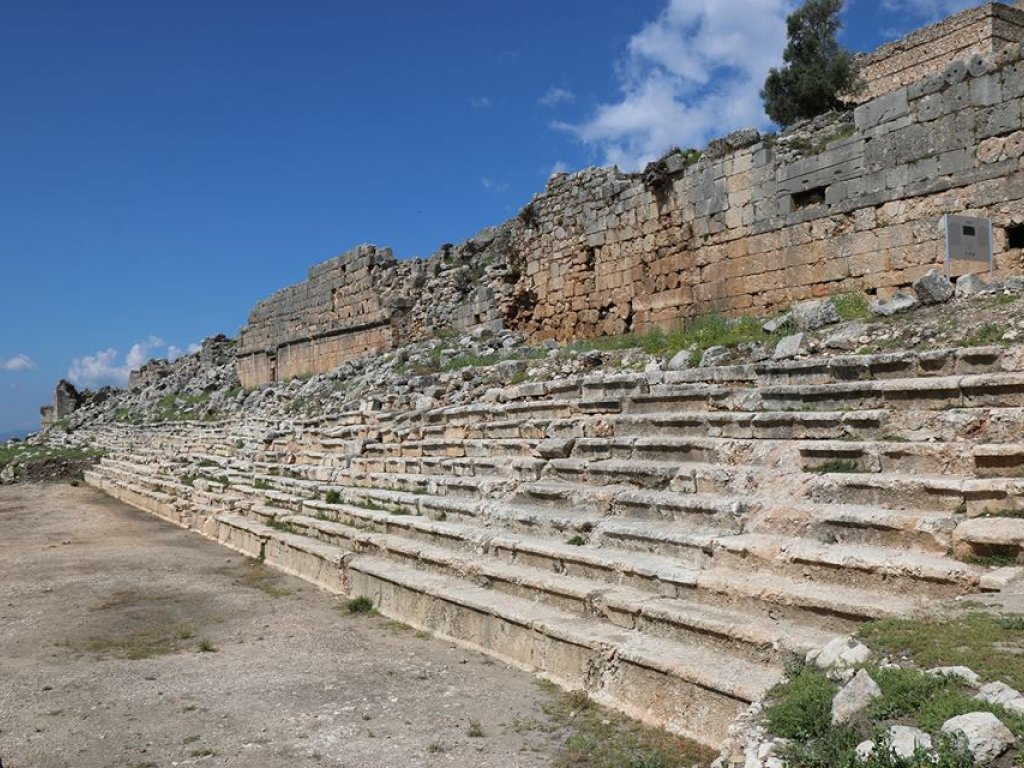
<point x="904" y="691"/>
<point x="852" y="305"/>
<point x="361" y="604"/>
<point x="989" y="333"/>
<point x="801" y="707"/>
<point x="332" y="497"/>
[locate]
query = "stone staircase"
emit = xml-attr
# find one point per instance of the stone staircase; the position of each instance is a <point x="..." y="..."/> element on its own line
<point x="662" y="541"/>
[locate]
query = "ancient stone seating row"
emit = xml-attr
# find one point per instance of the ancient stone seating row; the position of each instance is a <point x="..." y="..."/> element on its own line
<point x="627" y="534"/>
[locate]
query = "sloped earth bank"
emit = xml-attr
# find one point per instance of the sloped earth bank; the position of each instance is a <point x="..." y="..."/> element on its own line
<point x="127" y="642"/>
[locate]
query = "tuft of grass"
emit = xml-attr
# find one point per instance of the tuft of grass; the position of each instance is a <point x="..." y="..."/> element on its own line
<point x="1005" y="512"/>
<point x="475" y="730"/>
<point x="834" y="466"/>
<point x="361" y="604"/>
<point x="206" y="646"/>
<point x="992" y="559"/>
<point x="905" y="691"/>
<point x="989" y="644"/>
<point x="1002" y="299"/>
<point x="332" y="497"/>
<point x="801" y="708"/>
<point x="989" y="333"/>
<point x="711" y="330"/>
<point x="599" y="738"/>
<point x="278" y="525"/>
<point x="953" y="701"/>
<point x="852" y="305"/>
<point x="256" y="575"/>
<point x="577" y="541"/>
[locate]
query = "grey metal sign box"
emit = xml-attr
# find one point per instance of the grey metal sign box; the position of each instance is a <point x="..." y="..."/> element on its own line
<point x="968" y="238"/>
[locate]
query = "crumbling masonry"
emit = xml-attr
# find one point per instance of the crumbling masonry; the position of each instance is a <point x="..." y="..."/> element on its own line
<point x="756" y="223"/>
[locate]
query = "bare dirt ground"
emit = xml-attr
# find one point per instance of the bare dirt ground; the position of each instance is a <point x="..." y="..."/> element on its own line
<point x="126" y="642"/>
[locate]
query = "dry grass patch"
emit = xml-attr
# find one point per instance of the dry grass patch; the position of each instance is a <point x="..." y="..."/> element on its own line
<point x="138" y="624"/>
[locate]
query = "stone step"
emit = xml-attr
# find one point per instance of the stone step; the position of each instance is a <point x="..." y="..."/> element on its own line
<point x="881" y="567"/>
<point x="756" y="637"/>
<point x="432" y="465"/>
<point x="754" y="425"/>
<point x="654" y="475"/>
<point x="1001" y="538"/>
<point x="652" y="572"/>
<point x="924" y="530"/>
<point x="469" y="447"/>
<point x="997" y="390"/>
<point x="973" y="496"/>
<point x="694" y="691"/>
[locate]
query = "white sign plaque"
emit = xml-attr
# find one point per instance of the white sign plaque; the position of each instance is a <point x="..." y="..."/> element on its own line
<point x="968" y="238"/>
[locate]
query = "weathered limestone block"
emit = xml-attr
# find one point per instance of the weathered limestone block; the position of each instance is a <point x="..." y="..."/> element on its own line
<point x="986" y="736"/>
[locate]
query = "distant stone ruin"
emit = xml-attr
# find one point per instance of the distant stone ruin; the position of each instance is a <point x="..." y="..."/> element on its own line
<point x="66" y="400"/>
<point x="849" y="201"/>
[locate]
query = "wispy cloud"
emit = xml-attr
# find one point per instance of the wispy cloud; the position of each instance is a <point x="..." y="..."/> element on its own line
<point x="492" y="185"/>
<point x="173" y="352"/>
<point x="555" y="96"/>
<point x="692" y="74"/>
<point x="106" y="367"/>
<point x="18" y="363"/>
<point x="481" y="102"/>
<point x="559" y="167"/>
<point x="98" y="370"/>
<point x="926" y="11"/>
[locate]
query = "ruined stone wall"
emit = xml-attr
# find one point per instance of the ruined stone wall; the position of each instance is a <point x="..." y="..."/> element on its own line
<point x="983" y="31"/>
<point x="779" y="219"/>
<point x="846" y="202"/>
<point x="365" y="301"/>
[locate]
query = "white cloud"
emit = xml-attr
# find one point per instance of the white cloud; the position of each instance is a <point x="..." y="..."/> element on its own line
<point x="107" y="368"/>
<point x="18" y="363"/>
<point x="555" y="96"/>
<point x="559" y="167"/>
<point x="140" y="352"/>
<point x="481" y="102"/>
<point x="690" y="75"/>
<point x="492" y="185"/>
<point x="98" y="370"/>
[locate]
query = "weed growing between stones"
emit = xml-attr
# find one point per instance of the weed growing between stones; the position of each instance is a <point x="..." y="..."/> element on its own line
<point x="990" y="645"/>
<point x="278" y="525"/>
<point x="800" y="710"/>
<point x="852" y="305"/>
<point x="598" y="738"/>
<point x="360" y="604"/>
<point x="711" y="330"/>
<point x="989" y="333"/>
<point x="834" y="466"/>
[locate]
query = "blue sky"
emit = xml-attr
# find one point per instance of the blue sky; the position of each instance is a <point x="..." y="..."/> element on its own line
<point x="164" y="165"/>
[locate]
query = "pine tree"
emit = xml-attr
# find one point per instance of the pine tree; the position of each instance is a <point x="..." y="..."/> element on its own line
<point x="817" y="69"/>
